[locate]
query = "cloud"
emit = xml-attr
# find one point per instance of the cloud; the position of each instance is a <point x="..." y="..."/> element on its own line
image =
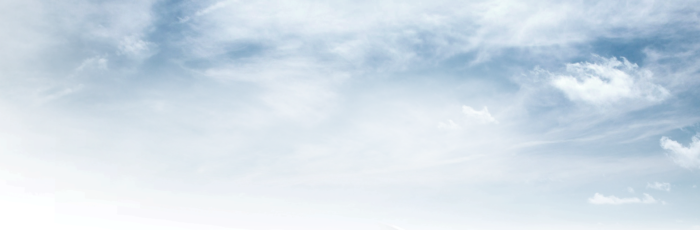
<point x="686" y="157"/>
<point x="450" y="125"/>
<point x="601" y="199"/>
<point x="650" y="200"/>
<point x="97" y="62"/>
<point x="135" y="47"/>
<point x="293" y="88"/>
<point x="660" y="186"/>
<point x="481" y="116"/>
<point x="363" y="38"/>
<point x="630" y="189"/>
<point x="205" y="11"/>
<point x="607" y="82"/>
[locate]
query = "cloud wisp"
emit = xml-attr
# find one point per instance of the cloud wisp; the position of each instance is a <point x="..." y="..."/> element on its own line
<point x="662" y="186"/>
<point x="602" y="199"/>
<point x="479" y="116"/>
<point x="450" y="125"/>
<point x="687" y="157"/>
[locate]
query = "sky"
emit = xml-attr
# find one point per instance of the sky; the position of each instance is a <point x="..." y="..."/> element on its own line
<point x="349" y="115"/>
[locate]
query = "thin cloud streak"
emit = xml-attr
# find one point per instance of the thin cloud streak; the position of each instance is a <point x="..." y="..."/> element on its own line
<point x="660" y="186"/>
<point x="601" y="199"/>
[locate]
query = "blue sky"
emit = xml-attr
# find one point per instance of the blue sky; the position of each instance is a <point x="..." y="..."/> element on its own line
<point x="387" y="115"/>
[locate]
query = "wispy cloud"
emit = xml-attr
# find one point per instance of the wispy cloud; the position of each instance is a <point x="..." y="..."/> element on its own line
<point x="206" y="10"/>
<point x="660" y="186"/>
<point x="687" y="157"/>
<point x="601" y="199"/>
<point x="97" y="62"/>
<point x="135" y="47"/>
<point x="450" y="125"/>
<point x="329" y="34"/>
<point x="479" y="116"/>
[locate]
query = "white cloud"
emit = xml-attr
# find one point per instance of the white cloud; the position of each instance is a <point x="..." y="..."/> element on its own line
<point x="135" y="47"/>
<point x="481" y="116"/>
<point x="58" y="93"/>
<point x="649" y="200"/>
<point x="97" y="62"/>
<point x="608" y="81"/>
<point x="205" y="11"/>
<point x="687" y="157"/>
<point x="364" y="37"/>
<point x="601" y="199"/>
<point x="293" y="88"/>
<point x="660" y="186"/>
<point x="450" y="125"/>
